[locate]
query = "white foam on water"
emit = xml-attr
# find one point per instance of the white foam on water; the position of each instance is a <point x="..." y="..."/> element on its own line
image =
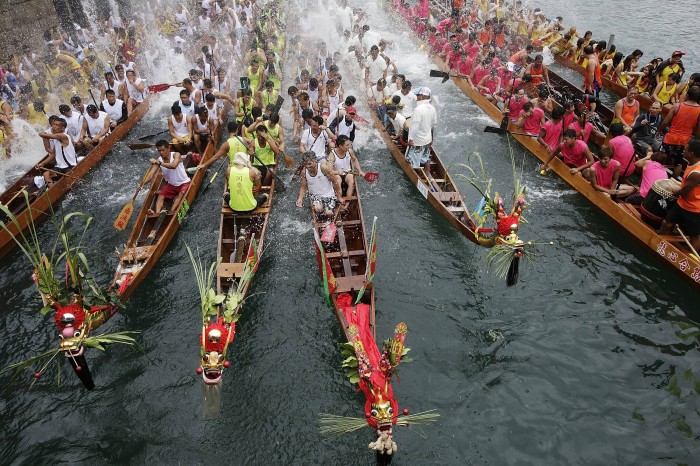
<point x="26" y="148"/>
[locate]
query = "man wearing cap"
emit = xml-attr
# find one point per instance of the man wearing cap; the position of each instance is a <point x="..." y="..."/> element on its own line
<point x="244" y="182"/>
<point x="420" y="134"/>
<point x="346" y="126"/>
<point x="672" y="65"/>
<point x="96" y="127"/>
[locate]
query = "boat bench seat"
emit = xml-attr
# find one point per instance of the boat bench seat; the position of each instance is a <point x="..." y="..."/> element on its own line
<point x="349" y="223"/>
<point x="334" y="255"/>
<point x="454" y="208"/>
<point x="230" y="270"/>
<point x="447" y="196"/>
<point x="136" y="254"/>
<point x="225" y="210"/>
<point x="347" y="284"/>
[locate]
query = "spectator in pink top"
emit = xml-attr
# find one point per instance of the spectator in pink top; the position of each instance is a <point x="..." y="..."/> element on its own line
<point x="551" y="132"/>
<point x="574" y="152"/>
<point x="622" y="149"/>
<point x="531" y="119"/>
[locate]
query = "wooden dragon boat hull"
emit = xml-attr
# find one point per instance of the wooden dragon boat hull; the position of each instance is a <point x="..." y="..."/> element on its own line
<point x="670" y="248"/>
<point x="41" y="204"/>
<point x="348" y="259"/>
<point x="151" y="234"/>
<point x="616" y="88"/>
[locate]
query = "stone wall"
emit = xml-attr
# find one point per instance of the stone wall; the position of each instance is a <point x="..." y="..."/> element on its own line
<point x="24" y="22"/>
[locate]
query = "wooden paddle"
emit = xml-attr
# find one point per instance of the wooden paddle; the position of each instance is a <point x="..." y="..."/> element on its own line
<point x="125" y="215"/>
<point x="148" y="136"/>
<point x="60" y="174"/>
<point x="142" y="145"/>
<point x="328" y="235"/>
<point x="494" y="129"/>
<point x="445" y="76"/>
<point x="22" y="188"/>
<point x="370" y="177"/>
<point x="697" y="256"/>
<point x="288" y="160"/>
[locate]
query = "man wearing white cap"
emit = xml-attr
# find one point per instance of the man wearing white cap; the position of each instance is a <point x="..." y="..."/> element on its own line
<point x="244" y="181"/>
<point x="420" y="134"/>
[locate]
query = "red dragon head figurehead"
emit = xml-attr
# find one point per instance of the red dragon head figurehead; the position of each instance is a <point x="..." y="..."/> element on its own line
<point x="214" y="341"/>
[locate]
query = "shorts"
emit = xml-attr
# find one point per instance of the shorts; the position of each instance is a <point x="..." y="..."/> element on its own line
<point x="418" y="155"/>
<point x="328" y="202"/>
<point x="674" y="152"/>
<point x="689" y="221"/>
<point x="169" y="191"/>
<point x="653" y="144"/>
<point x="184" y="138"/>
<point x="259" y="200"/>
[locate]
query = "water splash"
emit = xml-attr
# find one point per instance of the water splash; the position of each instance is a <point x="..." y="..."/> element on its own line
<point x="27" y="149"/>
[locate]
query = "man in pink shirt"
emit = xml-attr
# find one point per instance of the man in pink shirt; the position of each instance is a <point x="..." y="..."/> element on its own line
<point x="551" y="132"/>
<point x="574" y="152"/>
<point x="583" y="127"/>
<point x="652" y="171"/>
<point x="622" y="149"/>
<point x="472" y="47"/>
<point x="515" y="104"/>
<point x="531" y="119"/>
<point x="463" y="65"/>
<point x="605" y="173"/>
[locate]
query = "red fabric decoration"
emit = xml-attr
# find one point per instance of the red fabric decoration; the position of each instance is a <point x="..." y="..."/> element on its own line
<point x="227" y="334"/>
<point x="74" y="309"/>
<point x="359" y="315"/>
<point x="504" y="224"/>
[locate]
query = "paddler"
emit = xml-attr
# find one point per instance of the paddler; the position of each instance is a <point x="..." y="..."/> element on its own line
<point x="176" y="181"/>
<point x="686" y="211"/>
<point x="622" y="149"/>
<point x="627" y="108"/>
<point x="573" y="152"/>
<point x="233" y="145"/>
<point x="265" y="152"/>
<point x="244" y="181"/>
<point x="115" y="108"/>
<point x="62" y="154"/>
<point x="670" y="66"/>
<point x="345" y="165"/>
<point x="96" y="127"/>
<point x="592" y="83"/>
<point x="531" y="119"/>
<point x="605" y="173"/>
<point x="180" y="129"/>
<point x="684" y="122"/>
<point x="665" y="91"/>
<point x="319" y="181"/>
<point x="538" y="71"/>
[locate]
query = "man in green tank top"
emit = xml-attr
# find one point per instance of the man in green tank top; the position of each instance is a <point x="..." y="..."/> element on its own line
<point x="244" y="181"/>
<point x="233" y="144"/>
<point x="265" y="150"/>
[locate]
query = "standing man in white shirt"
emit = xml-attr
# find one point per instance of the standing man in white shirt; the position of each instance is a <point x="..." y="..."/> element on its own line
<point x="420" y="134"/>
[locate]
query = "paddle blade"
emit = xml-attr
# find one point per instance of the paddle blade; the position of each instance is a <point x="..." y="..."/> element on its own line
<point x="288" y="160"/>
<point x="328" y="235"/>
<point x="159" y="87"/>
<point x="124" y="216"/>
<point x="494" y="129"/>
<point x="139" y="146"/>
<point x="371" y="176"/>
<point x="439" y="74"/>
<point x="445" y="79"/>
<point x="360" y="119"/>
<point x="279" y="103"/>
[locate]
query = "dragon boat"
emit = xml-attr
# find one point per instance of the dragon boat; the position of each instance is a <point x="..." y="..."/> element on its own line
<point x="152" y="232"/>
<point x="645" y="101"/>
<point x="673" y="250"/>
<point x="43" y="199"/>
<point x="241" y="243"/>
<point x="347" y="268"/>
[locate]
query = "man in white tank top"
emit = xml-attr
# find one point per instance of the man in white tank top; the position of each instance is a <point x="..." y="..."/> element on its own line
<point x="135" y="90"/>
<point x="319" y="181"/>
<point x="175" y="180"/>
<point x="180" y="128"/>
<point x="95" y="127"/>
<point x="62" y="154"/>
<point x="115" y="108"/>
<point x="345" y="165"/>
<point x="202" y="128"/>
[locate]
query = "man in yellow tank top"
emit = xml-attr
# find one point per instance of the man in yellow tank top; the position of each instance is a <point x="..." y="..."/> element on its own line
<point x="233" y="145"/>
<point x="263" y="151"/>
<point x="686" y="212"/>
<point x="244" y="181"/>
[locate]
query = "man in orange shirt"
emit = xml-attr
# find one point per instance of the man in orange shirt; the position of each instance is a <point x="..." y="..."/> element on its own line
<point x="686" y="212"/>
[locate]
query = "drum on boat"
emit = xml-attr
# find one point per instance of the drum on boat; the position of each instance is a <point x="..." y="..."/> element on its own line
<point x="658" y="200"/>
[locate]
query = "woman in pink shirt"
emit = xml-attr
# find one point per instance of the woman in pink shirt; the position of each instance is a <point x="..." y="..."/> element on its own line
<point x="531" y="119"/>
<point x="652" y="171"/>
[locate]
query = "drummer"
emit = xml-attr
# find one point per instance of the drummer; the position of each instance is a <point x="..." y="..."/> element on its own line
<point x="686" y="212"/>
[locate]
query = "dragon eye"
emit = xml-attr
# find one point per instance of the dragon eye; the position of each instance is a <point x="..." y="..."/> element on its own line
<point x="391" y="410"/>
<point x="206" y="357"/>
<point x="77" y="333"/>
<point x="374" y="413"/>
